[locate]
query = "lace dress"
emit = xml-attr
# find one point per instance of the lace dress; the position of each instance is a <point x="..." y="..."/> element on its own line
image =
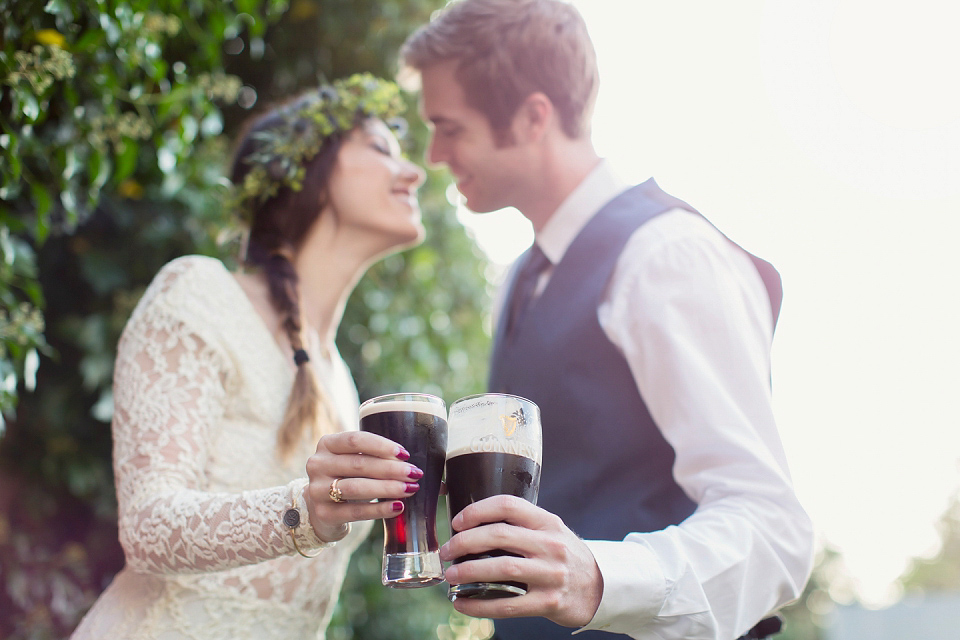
<point x="200" y="388"/>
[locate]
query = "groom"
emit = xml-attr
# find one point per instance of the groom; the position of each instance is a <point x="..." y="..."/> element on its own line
<point x="666" y="508"/>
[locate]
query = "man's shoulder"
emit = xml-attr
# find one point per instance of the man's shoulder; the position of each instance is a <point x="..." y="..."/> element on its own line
<point x="673" y="227"/>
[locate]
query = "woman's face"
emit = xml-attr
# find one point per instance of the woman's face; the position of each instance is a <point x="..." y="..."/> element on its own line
<point x="373" y="188"/>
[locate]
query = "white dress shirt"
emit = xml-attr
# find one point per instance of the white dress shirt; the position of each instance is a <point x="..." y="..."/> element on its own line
<point x="690" y="314"/>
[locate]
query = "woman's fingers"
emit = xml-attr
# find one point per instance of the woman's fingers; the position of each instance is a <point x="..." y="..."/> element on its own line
<point x="369" y="444"/>
<point x="365" y="489"/>
<point x="361" y="466"/>
<point x="329" y="517"/>
<point x="357" y="476"/>
<point x="361" y="455"/>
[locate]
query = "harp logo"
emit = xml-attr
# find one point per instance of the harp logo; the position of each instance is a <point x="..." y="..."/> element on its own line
<point x="511" y="422"/>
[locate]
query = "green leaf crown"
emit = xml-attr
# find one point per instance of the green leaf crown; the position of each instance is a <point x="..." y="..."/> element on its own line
<point x="283" y="151"/>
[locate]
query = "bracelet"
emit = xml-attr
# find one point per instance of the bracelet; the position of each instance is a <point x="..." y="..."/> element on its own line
<point x="292" y="520"/>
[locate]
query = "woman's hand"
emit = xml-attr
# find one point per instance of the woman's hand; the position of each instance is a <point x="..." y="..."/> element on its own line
<point x="369" y="467"/>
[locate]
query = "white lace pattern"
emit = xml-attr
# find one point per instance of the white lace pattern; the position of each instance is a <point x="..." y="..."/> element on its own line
<point x="200" y="388"/>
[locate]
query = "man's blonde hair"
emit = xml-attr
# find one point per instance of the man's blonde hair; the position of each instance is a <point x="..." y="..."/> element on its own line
<point x="508" y="49"/>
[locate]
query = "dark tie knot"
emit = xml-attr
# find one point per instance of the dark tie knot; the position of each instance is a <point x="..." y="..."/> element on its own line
<point x="536" y="263"/>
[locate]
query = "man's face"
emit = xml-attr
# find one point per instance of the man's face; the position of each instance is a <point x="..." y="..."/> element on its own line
<point x="488" y="176"/>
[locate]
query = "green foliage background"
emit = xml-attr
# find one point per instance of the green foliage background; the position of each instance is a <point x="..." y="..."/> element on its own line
<point x="115" y="118"/>
<point x="942" y="571"/>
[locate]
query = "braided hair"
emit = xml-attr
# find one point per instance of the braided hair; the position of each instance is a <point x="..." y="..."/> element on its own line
<point x="277" y="229"/>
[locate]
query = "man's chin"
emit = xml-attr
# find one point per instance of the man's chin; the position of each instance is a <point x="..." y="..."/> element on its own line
<point x="475" y="206"/>
<point x="474" y="202"/>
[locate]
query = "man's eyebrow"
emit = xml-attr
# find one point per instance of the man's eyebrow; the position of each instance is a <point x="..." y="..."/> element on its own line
<point x="439" y="120"/>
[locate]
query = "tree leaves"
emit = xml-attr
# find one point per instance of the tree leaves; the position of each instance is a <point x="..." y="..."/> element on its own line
<point x="118" y="169"/>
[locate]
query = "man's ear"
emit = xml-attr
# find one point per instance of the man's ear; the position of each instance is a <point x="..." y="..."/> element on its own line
<point x="533" y="118"/>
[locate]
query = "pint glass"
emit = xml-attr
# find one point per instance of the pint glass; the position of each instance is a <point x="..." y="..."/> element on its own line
<point x="417" y="422"/>
<point x="494" y="447"/>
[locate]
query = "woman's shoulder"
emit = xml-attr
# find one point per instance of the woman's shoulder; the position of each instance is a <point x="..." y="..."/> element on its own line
<point x="192" y="269"/>
<point x="191" y="285"/>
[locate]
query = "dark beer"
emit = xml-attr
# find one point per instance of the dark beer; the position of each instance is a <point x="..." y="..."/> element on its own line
<point x="471" y="477"/>
<point x="412" y="536"/>
<point x="494" y="448"/>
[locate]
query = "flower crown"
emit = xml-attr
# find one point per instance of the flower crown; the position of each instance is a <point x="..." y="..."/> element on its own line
<point x="283" y="150"/>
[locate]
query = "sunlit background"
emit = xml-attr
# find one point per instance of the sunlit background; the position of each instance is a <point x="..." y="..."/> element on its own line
<point x="823" y="135"/>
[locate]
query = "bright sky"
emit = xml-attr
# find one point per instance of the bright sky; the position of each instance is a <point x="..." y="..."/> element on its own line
<point x="823" y="135"/>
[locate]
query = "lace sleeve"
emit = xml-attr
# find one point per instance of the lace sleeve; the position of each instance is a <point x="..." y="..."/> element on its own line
<point x="169" y="390"/>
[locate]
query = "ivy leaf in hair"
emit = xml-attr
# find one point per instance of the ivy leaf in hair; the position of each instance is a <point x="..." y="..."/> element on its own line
<point x="399" y="127"/>
<point x="282" y="151"/>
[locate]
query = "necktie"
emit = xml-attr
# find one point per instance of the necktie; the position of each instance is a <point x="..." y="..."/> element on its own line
<point x="526" y="284"/>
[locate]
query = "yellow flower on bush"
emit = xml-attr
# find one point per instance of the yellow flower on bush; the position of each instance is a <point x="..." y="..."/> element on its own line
<point x="51" y="37"/>
<point x="130" y="189"/>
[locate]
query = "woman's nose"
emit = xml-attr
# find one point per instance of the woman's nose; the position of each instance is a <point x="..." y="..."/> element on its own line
<point x="415" y="174"/>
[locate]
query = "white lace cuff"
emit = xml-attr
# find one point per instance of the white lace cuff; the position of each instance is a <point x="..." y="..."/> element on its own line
<point x="296" y="520"/>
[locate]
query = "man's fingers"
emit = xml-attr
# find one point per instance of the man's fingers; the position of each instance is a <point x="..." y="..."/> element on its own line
<point x="519" y="606"/>
<point x="564" y="582"/>
<point x="496" y="568"/>
<point x="499" y="535"/>
<point x="511" y="509"/>
<point x="563" y="591"/>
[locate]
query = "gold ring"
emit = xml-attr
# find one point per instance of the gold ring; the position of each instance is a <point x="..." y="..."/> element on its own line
<point x="335" y="494"/>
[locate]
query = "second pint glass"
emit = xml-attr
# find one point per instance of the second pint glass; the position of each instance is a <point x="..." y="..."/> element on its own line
<point x="493" y="448"/>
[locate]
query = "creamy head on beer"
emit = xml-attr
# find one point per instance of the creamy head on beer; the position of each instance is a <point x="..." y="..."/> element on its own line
<point x="494" y="424"/>
<point x="498" y="445"/>
<point x="418" y="406"/>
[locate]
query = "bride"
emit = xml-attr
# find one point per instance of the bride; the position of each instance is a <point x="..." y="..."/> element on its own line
<point x="239" y="467"/>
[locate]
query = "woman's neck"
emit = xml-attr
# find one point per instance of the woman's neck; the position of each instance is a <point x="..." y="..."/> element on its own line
<point x="328" y="266"/>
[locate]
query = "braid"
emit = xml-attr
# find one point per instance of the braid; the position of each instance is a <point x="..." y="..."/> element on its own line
<point x="307" y="405"/>
<point x="276" y="227"/>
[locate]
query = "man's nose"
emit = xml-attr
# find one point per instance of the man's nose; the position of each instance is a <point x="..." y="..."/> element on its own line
<point x="436" y="154"/>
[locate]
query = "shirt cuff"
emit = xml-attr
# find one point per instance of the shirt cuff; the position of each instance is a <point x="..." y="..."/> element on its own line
<point x="634" y="587"/>
<point x="306" y="537"/>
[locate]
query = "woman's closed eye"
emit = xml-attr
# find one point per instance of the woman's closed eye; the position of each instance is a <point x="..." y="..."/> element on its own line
<point x="382" y="148"/>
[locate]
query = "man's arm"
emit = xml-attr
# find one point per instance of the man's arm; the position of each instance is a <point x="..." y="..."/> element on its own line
<point x="695" y="329"/>
<point x="692" y="318"/>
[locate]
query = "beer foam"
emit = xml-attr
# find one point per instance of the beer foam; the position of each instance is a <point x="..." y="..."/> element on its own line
<point x="459" y="452"/>
<point x="498" y="445"/>
<point x="419" y="406"/>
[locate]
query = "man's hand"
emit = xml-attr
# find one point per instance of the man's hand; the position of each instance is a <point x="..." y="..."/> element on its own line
<point x="563" y="581"/>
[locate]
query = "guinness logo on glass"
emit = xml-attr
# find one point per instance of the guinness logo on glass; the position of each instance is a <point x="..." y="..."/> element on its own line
<point x="511" y="422"/>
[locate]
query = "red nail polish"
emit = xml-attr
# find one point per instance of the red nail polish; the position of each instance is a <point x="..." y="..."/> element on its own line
<point x="398" y="506"/>
<point x="415" y="473"/>
<point x="412" y="487"/>
<point x="403" y="454"/>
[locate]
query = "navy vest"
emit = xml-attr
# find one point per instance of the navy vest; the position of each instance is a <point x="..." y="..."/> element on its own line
<point x="607" y="470"/>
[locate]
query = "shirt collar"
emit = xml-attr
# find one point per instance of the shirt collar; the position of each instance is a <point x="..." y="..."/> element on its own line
<point x="599" y="187"/>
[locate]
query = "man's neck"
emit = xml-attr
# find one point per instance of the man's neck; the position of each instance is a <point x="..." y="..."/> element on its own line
<point x="564" y="168"/>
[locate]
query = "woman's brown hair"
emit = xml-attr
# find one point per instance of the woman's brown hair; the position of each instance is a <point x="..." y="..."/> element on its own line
<point x="277" y="229"/>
